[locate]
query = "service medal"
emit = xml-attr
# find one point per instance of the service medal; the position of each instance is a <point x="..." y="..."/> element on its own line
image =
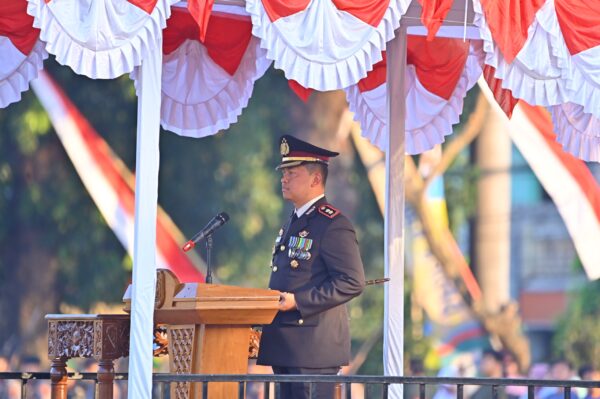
<point x="294" y="264"/>
<point x="304" y="244"/>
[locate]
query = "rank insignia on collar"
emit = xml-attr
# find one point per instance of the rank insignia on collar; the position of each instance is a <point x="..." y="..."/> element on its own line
<point x="303" y="233"/>
<point x="329" y="211"/>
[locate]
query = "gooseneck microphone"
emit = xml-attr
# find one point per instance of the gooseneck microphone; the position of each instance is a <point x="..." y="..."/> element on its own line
<point x="211" y="226"/>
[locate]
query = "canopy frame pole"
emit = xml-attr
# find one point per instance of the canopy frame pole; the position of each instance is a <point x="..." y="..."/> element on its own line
<point x="144" y="244"/>
<point x="393" y="335"/>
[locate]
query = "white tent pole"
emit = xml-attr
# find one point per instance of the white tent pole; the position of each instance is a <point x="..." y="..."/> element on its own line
<point x="393" y="335"/>
<point x="144" y="244"/>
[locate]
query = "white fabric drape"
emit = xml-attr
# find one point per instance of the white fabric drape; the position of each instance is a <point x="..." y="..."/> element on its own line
<point x="429" y="117"/>
<point x="199" y="97"/>
<point x="101" y="39"/>
<point x="321" y="47"/>
<point x="546" y="71"/>
<point x="18" y="69"/>
<point x="578" y="132"/>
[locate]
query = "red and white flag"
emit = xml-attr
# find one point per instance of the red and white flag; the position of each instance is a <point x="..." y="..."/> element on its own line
<point x="109" y="182"/>
<point x="566" y="179"/>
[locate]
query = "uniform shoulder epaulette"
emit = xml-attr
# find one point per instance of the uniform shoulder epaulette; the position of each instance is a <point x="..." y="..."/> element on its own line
<point x="329" y="211"/>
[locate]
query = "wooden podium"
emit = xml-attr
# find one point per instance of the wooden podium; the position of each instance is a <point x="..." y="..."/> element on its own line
<point x="208" y="328"/>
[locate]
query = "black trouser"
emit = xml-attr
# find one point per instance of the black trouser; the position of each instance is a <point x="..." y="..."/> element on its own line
<point x="301" y="390"/>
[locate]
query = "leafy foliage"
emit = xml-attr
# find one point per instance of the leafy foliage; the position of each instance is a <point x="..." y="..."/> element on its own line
<point x="577" y="335"/>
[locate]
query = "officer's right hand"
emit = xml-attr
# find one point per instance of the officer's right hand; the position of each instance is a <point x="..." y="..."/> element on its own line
<point x="287" y="301"/>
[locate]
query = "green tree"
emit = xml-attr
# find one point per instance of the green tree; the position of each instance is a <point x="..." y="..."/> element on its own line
<point x="577" y="336"/>
<point x="54" y="246"/>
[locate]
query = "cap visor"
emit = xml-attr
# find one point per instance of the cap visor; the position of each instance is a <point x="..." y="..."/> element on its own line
<point x="288" y="165"/>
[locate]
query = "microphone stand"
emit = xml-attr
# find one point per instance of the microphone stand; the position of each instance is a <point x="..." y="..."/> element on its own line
<point x="209" y="244"/>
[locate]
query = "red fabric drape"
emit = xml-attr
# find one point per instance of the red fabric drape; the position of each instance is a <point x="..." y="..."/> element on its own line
<point x="509" y="21"/>
<point x="146" y="5"/>
<point x="503" y="96"/>
<point x="439" y="63"/>
<point x="376" y="77"/>
<point x="227" y="36"/>
<point x="433" y="14"/>
<point x="368" y="11"/>
<point x="300" y="90"/>
<point x="200" y="11"/>
<point x="579" y="22"/>
<point x="276" y="9"/>
<point x="16" y="24"/>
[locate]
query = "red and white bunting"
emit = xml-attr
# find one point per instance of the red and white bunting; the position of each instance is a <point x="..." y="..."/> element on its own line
<point x="101" y="39"/>
<point x="21" y="51"/>
<point x="438" y="76"/>
<point x="547" y="52"/>
<point x="577" y="131"/>
<point x="325" y="44"/>
<point x="207" y="83"/>
<point x="109" y="182"/>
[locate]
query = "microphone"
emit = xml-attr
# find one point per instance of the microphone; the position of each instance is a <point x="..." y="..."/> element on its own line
<point x="211" y="226"/>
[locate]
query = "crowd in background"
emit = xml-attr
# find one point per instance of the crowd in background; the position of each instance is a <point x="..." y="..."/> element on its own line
<point x="493" y="364"/>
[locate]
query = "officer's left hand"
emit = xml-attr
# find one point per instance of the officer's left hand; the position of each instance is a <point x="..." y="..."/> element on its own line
<point x="287" y="301"/>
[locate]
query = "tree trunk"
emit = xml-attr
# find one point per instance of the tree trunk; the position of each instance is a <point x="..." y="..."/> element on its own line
<point x="29" y="272"/>
<point x="492" y="262"/>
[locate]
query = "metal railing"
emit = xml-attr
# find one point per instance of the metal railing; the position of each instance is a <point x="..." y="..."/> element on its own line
<point x="375" y="386"/>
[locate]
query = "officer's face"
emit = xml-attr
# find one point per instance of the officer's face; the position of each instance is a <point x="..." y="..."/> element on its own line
<point x="296" y="184"/>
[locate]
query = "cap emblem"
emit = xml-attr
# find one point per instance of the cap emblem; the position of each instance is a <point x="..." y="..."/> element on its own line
<point x="284" y="148"/>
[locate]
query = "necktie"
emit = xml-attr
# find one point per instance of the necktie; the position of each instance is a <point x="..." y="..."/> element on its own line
<point x="294" y="217"/>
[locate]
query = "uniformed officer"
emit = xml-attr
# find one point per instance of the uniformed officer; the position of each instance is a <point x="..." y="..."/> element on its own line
<point x="317" y="268"/>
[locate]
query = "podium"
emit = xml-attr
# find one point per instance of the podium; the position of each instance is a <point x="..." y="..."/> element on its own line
<point x="208" y="327"/>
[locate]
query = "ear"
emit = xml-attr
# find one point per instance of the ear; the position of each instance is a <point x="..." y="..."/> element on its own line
<point x="317" y="179"/>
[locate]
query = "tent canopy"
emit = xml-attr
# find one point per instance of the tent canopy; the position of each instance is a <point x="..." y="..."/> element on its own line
<point x="543" y="52"/>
